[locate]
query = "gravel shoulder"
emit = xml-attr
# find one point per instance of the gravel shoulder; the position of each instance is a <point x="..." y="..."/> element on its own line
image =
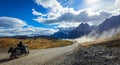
<point x="93" y="55"/>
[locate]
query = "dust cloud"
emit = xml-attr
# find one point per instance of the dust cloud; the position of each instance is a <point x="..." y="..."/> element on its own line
<point x="97" y="37"/>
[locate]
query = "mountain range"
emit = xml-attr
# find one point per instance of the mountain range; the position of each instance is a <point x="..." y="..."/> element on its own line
<point x="81" y="30"/>
<point x="77" y="32"/>
<point x="108" y="24"/>
<point x="85" y="29"/>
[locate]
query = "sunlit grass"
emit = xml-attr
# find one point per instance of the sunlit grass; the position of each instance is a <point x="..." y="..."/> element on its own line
<point x="38" y="43"/>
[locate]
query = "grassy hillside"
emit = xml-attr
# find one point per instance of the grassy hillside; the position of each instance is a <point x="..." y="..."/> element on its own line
<point x="37" y="43"/>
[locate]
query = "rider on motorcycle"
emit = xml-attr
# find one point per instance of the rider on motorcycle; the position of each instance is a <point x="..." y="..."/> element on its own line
<point x="21" y="46"/>
<point x="19" y="50"/>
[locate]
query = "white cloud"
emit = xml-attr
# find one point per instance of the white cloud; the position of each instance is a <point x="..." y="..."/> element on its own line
<point x="117" y="7"/>
<point x="96" y="5"/>
<point x="82" y="16"/>
<point x="67" y="25"/>
<point x="10" y="26"/>
<point x="53" y="5"/>
<point x="40" y="31"/>
<point x="94" y="12"/>
<point x="106" y="5"/>
<point x="34" y="12"/>
<point x="30" y="31"/>
<point x="10" y="22"/>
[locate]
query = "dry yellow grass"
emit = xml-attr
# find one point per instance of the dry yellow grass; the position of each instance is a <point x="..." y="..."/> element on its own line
<point x="38" y="43"/>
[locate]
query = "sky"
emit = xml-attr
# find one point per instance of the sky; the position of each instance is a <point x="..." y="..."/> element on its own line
<point x="45" y="17"/>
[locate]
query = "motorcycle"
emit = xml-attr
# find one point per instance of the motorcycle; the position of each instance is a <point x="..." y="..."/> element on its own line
<point x="18" y="52"/>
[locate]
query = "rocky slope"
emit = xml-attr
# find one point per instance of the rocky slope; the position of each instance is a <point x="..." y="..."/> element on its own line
<point x="102" y="53"/>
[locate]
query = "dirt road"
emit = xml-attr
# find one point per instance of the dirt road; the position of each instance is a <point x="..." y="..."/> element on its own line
<point x="37" y="57"/>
